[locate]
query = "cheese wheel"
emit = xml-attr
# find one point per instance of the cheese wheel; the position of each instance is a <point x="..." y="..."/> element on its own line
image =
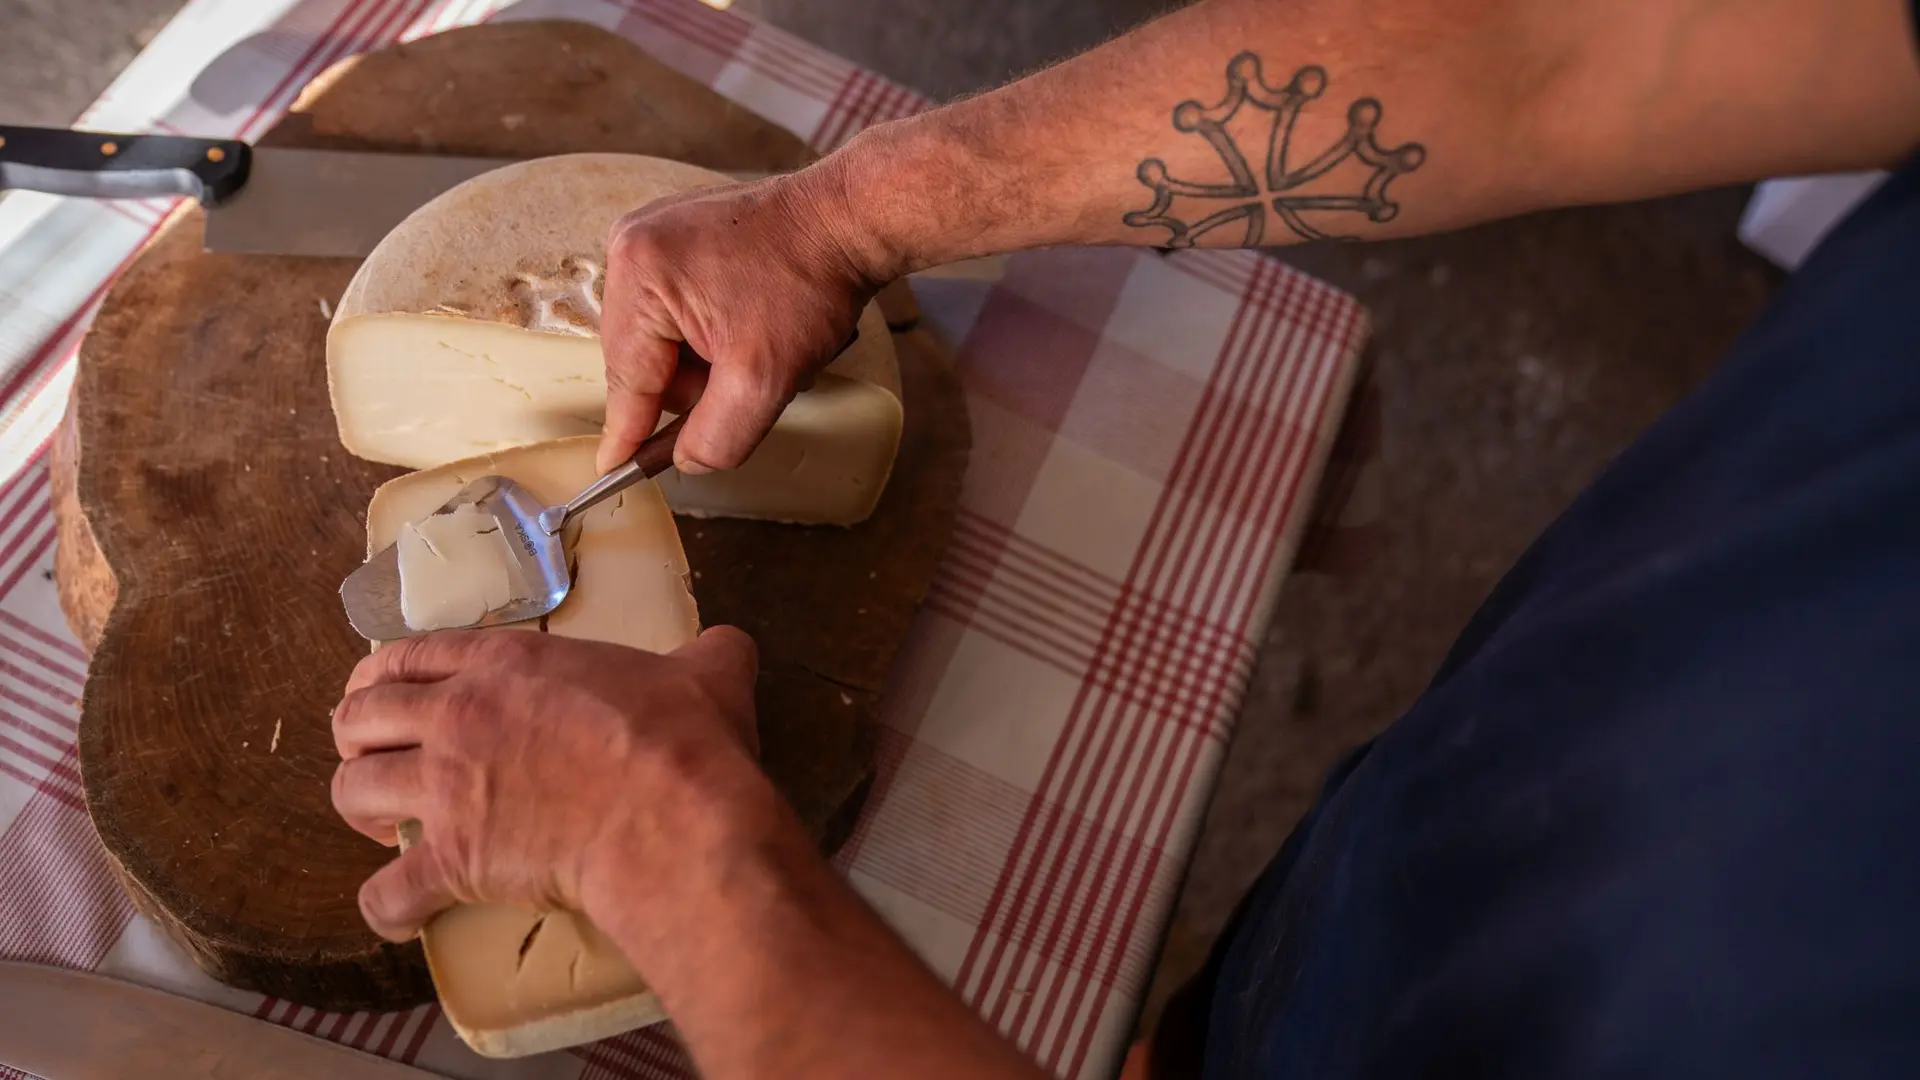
<point x="474" y="326"/>
<point x="514" y="981"/>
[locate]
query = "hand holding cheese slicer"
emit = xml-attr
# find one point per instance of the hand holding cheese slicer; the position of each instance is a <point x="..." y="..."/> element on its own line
<point x="539" y="577"/>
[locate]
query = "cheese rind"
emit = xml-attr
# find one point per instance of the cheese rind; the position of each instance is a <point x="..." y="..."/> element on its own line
<point x="570" y="984"/>
<point x="474" y="326"/>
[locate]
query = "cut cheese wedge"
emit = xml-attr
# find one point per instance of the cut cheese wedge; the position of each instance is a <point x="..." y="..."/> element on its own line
<point x="474" y="326"/>
<point x="514" y="981"/>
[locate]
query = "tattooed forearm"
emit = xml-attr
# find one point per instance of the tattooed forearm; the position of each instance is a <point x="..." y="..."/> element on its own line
<point x="1254" y="117"/>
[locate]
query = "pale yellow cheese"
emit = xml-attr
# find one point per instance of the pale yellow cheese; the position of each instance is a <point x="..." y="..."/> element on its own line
<point x="825" y="463"/>
<point x="514" y="981"/>
<point x="474" y="326"/>
<point x="454" y="568"/>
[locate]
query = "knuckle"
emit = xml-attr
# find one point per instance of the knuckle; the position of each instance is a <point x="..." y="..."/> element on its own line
<point x="636" y="240"/>
<point x="338" y="787"/>
<point x="346" y="717"/>
<point x="506" y="649"/>
<point x="443" y="778"/>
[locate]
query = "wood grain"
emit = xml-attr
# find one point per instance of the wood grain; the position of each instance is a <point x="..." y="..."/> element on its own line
<point x="207" y="515"/>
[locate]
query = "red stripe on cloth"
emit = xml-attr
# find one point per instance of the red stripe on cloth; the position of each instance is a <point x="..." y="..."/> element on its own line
<point x="49" y="640"/>
<point x="975" y="587"/>
<point x="890" y="751"/>
<point x="41" y="546"/>
<point x="695" y="24"/>
<point x="1225" y="570"/>
<point x="137" y="212"/>
<point x="30" y="368"/>
<point x="1330" y="326"/>
<point x="56" y="681"/>
<point x="741" y="40"/>
<point x="37" y="411"/>
<point x="982" y="558"/>
<point x="26" y="506"/>
<point x="426" y="1016"/>
<point x="990" y="531"/>
<point x="1196" y="447"/>
<point x="775" y="55"/>
<point x="862" y="99"/>
<point x="1127" y="731"/>
<point x="1020" y="877"/>
<point x="379" y="1026"/>
<point x="648" y="1054"/>
<point x="62" y="903"/>
<point x="26" y="778"/>
<point x="331" y="1029"/>
<point x="320" y="53"/>
<point x="1023" y="630"/>
<point x="987" y="536"/>
<point x="975" y="978"/>
<point x="936" y="794"/>
<point x="52" y="667"/>
<point x="396" y="1024"/>
<point x="26" y="476"/>
<point x="356" y="1029"/>
<point x="979" y="574"/>
<point x="826" y="134"/>
<point x="62" y="720"/>
<point x="42" y="769"/>
<point x="1259" y="464"/>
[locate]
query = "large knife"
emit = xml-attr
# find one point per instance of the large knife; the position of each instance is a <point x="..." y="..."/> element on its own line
<point x="67" y="1025"/>
<point x="263" y="200"/>
<point x="260" y="200"/>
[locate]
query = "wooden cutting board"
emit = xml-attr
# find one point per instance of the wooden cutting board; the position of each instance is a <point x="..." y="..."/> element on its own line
<point x="207" y="515"/>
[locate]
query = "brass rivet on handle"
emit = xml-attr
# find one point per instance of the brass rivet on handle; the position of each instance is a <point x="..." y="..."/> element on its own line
<point x="216" y="155"/>
<point x="109" y="148"/>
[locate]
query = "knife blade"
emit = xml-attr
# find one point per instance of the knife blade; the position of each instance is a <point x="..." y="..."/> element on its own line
<point x="263" y="200"/>
<point x="69" y="1025"/>
<point x="259" y="200"/>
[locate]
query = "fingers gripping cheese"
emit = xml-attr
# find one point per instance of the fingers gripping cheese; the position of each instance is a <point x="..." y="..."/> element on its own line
<point x="474" y="326"/>
<point x="515" y="981"/>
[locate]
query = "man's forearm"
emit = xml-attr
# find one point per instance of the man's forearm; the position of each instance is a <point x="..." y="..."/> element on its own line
<point x="1259" y="122"/>
<point x="770" y="965"/>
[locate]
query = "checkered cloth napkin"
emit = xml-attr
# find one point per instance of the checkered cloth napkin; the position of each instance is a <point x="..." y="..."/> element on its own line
<point x="1148" y="434"/>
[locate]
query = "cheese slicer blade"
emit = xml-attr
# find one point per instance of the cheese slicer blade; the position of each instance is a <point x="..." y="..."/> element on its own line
<point x="538" y="579"/>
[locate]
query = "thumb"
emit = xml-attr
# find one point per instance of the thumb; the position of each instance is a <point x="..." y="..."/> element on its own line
<point x="640" y="367"/>
<point x="741" y="401"/>
<point x="728" y="661"/>
<point x="401" y="896"/>
<point x="726" y="651"/>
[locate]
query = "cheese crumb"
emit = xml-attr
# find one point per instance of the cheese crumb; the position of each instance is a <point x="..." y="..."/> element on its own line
<point x="326" y="309"/>
<point x="275" y="747"/>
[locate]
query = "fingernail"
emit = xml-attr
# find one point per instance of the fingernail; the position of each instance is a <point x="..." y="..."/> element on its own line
<point x="689" y="467"/>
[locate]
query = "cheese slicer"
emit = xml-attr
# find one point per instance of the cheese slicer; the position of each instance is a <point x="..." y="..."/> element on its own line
<point x="538" y="577"/>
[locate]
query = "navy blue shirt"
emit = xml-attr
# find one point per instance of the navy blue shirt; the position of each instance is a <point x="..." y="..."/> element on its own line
<point x="1658" y="815"/>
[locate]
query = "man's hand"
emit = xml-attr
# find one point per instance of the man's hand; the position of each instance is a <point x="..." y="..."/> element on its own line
<point x="543" y="770"/>
<point x="758" y="279"/>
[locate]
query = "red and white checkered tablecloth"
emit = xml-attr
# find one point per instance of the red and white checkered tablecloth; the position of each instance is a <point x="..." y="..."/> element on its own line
<point x="1148" y="434"/>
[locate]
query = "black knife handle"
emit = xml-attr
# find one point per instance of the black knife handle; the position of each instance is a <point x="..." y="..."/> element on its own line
<point x="102" y="165"/>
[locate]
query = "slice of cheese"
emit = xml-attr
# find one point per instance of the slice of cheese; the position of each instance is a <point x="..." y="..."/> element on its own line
<point x="514" y="981"/>
<point x="454" y="568"/>
<point x="475" y="326"/>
